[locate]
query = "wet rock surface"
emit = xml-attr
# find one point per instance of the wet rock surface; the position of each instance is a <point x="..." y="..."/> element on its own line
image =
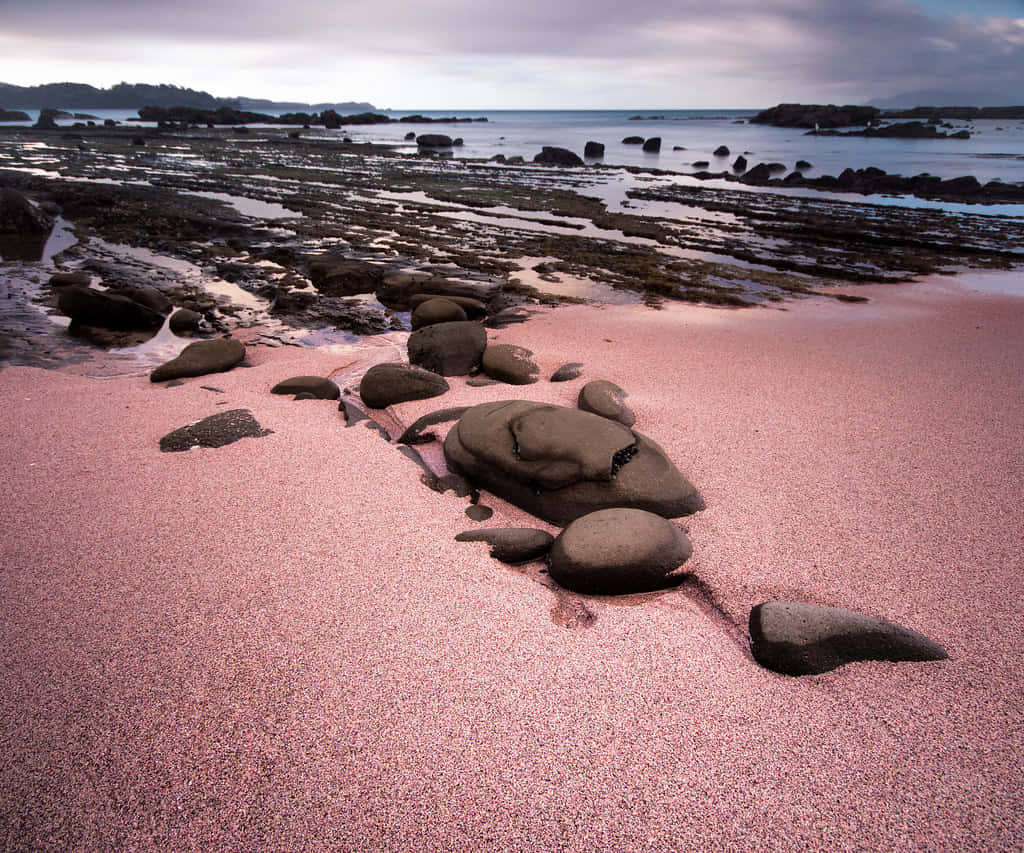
<point x="385" y="385"/>
<point x="619" y="551"/>
<point x="200" y="358"/>
<point x="606" y="399"/>
<point x="561" y="463"/>
<point x="794" y="638"/>
<point x="215" y="431"/>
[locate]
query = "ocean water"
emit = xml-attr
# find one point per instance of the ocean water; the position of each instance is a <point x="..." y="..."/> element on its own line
<point x="995" y="150"/>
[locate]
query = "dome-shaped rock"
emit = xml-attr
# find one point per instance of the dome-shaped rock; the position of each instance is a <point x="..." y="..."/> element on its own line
<point x="509" y="363"/>
<point x="384" y="385"/>
<point x="200" y="358"/>
<point x="184" y="321"/>
<point x="560" y="463"/>
<point x="805" y="639"/>
<point x="474" y="308"/>
<point x="605" y="398"/>
<point x="310" y="387"/>
<point x="619" y="551"/>
<point x="437" y="310"/>
<point x="450" y="349"/>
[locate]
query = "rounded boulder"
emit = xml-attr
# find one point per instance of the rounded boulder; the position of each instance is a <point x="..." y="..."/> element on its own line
<point x="606" y="399"/>
<point x="509" y="363"/>
<point x="449" y="349"/>
<point x="200" y="358"/>
<point x="384" y="385"/>
<point x="438" y="310"/>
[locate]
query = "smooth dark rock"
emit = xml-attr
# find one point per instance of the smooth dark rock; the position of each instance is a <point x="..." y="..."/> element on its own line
<point x="386" y="384"/>
<point x="722" y="151"/>
<point x="214" y="431"/>
<point x="653" y="145"/>
<point x="317" y="387"/>
<point x="415" y="434"/>
<point x="185" y="321"/>
<point x="19" y="216"/>
<point x="553" y="156"/>
<point x="561" y="463"/>
<point x="474" y="308"/>
<point x="700" y="164"/>
<point x="805" y="639"/>
<point x="437" y="310"/>
<point x="479" y="512"/>
<point x="740" y="165"/>
<point x="619" y="551"/>
<point x="512" y="545"/>
<point x="398" y="290"/>
<point x="150" y="297"/>
<point x="434" y="140"/>
<point x="593" y="150"/>
<point x="509" y="363"/>
<point x="803" y="164"/>
<point x="633" y="140"/>
<point x="571" y="370"/>
<point x="106" y="309"/>
<point x="200" y="358"/>
<point x="606" y="399"/>
<point x="450" y="349"/>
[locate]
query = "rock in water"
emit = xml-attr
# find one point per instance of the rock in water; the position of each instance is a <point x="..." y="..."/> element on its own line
<point x="214" y="431"/>
<point x="560" y="463"/>
<point x="805" y="639"/>
<point x="509" y="363"/>
<point x="316" y="387"/>
<point x="450" y="349"/>
<point x="552" y="156"/>
<point x="200" y="358"/>
<point x="593" y="150"/>
<point x="384" y="385"/>
<point x="618" y="552"/>
<point x="653" y="145"/>
<point x="605" y="398"/>
<point x="512" y="545"/>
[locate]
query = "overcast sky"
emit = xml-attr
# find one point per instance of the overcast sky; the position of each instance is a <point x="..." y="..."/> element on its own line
<point x="560" y="54"/>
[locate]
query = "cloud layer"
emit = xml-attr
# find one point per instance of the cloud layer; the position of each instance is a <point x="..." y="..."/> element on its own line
<point x="463" y="53"/>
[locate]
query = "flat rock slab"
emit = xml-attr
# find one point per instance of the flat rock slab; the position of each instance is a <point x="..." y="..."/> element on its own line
<point x="512" y="545"/>
<point x="794" y="638"/>
<point x="449" y="349"/>
<point x="619" y="551"/>
<point x="606" y="399"/>
<point x="215" y="431"/>
<point x="309" y="387"/>
<point x="384" y="385"/>
<point x="509" y="363"/>
<point x="560" y="463"/>
<point x="200" y="358"/>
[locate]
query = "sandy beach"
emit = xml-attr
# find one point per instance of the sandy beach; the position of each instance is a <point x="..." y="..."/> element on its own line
<point x="278" y="645"/>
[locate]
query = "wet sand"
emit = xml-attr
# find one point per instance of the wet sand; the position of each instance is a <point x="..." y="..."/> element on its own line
<point x="277" y="644"/>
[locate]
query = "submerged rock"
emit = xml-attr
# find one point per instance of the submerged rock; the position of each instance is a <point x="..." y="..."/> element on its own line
<point x="215" y="431"/>
<point x="560" y="463"/>
<point x="200" y="358"/>
<point x="619" y="551"/>
<point x="512" y="545"/>
<point x="805" y="639"/>
<point x="384" y="385"/>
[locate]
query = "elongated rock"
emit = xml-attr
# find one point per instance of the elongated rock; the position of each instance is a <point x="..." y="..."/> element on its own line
<point x="384" y="385"/>
<point x="200" y="358"/>
<point x="215" y="431"/>
<point x="805" y="639"/>
<point x="511" y="545"/>
<point x="315" y="386"/>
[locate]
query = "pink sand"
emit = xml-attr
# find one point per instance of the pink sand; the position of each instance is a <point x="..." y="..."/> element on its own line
<point x="277" y="645"/>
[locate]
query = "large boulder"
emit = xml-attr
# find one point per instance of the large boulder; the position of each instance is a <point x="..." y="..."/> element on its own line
<point x="619" y="551"/>
<point x="509" y="363"/>
<point x="316" y="387"/>
<point x="512" y="545"/>
<point x="805" y="639"/>
<point x="19" y="216"/>
<point x="606" y="399"/>
<point x="437" y="310"/>
<point x="106" y="309"/>
<point x="553" y="156"/>
<point x="451" y="349"/>
<point x="215" y="431"/>
<point x="560" y="463"/>
<point x="386" y="384"/>
<point x="434" y="140"/>
<point x="200" y="358"/>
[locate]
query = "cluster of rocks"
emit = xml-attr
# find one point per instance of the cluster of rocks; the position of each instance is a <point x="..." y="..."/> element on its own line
<point x="651" y="145"/>
<point x="328" y="118"/>
<point x="816" y="115"/>
<point x="901" y="130"/>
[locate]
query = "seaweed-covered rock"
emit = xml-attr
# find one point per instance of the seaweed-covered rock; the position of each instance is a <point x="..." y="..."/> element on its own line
<point x="560" y="463"/>
<point x="509" y="363"/>
<point x="512" y="545"/>
<point x="310" y="387"/>
<point x="200" y="358"/>
<point x="215" y="431"/>
<point x="606" y="399"/>
<point x="450" y="349"/>
<point x="619" y="551"/>
<point x="437" y="310"/>
<point x="805" y="639"/>
<point x="384" y="385"/>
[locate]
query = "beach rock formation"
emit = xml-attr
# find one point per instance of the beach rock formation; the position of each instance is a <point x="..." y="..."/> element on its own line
<point x="509" y="363"/>
<point x="106" y="309"/>
<point x="512" y="545"/>
<point x="473" y="308"/>
<point x="200" y="358"/>
<point x="19" y="216"/>
<point x="740" y="165"/>
<point x="311" y="387"/>
<point x="816" y="115"/>
<point x="560" y="463"/>
<point x="439" y="309"/>
<point x="384" y="385"/>
<point x="653" y="145"/>
<point x="65" y="279"/>
<point x="570" y="370"/>
<point x="619" y="551"/>
<point x="215" y="431"/>
<point x="805" y="639"/>
<point x="606" y="399"/>
<point x="450" y="349"/>
<point x="593" y="150"/>
<point x="552" y="156"/>
<point x="398" y="290"/>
